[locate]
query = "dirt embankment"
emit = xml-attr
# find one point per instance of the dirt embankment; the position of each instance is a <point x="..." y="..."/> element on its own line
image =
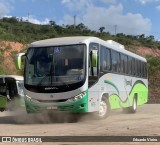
<point x="145" y="51"/>
<point x="8" y="50"/>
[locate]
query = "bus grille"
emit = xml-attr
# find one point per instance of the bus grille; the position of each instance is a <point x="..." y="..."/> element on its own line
<point x="65" y="108"/>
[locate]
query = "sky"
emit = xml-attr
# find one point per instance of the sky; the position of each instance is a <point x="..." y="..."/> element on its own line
<point x="131" y="17"/>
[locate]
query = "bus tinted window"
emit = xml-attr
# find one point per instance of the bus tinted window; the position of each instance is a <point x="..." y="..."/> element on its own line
<point x="124" y="64"/>
<point x="115" y="61"/>
<point x="133" y="67"/>
<point x="145" y="70"/>
<point x="130" y="65"/>
<point x="105" y="57"/>
<point x="136" y="67"/>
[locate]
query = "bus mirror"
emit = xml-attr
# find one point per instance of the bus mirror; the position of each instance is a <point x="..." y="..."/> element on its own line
<point x="94" y="57"/>
<point x="19" y="60"/>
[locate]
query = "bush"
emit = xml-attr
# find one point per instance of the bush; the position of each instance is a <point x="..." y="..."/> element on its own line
<point x="153" y="65"/>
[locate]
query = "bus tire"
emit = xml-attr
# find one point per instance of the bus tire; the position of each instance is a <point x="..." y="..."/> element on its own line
<point x="104" y="109"/>
<point x="133" y="108"/>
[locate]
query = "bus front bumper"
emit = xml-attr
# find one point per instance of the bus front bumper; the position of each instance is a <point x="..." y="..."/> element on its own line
<point x="79" y="106"/>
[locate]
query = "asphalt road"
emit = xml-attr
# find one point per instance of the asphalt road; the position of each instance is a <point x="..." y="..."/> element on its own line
<point x="145" y="122"/>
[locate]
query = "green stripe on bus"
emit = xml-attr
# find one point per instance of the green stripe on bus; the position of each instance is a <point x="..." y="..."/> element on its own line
<point x="139" y="88"/>
<point x="109" y="82"/>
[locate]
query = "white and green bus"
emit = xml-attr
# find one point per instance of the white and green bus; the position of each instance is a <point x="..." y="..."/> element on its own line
<point x="83" y="74"/>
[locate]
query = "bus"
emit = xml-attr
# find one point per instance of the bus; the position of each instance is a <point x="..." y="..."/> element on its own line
<point x="11" y="88"/>
<point x="83" y="74"/>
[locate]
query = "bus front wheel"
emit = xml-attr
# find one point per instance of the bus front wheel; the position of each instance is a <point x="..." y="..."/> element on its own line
<point x="104" y="109"/>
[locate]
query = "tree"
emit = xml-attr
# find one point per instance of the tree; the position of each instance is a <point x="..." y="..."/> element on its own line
<point x="101" y="29"/>
<point x="151" y="37"/>
<point x="81" y="27"/>
<point x="142" y="36"/>
<point x="52" y="23"/>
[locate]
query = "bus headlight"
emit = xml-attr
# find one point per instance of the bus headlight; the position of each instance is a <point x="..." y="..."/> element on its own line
<point x="77" y="97"/>
<point x="28" y="98"/>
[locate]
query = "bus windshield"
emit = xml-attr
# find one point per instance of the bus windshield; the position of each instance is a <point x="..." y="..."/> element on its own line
<point x="55" y="65"/>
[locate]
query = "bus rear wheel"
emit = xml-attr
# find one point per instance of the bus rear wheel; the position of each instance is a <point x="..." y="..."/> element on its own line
<point x="133" y="108"/>
<point x="104" y="109"/>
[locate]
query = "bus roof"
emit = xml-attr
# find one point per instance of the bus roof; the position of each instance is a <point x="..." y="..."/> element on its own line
<point x="16" y="77"/>
<point x="80" y="40"/>
<point x="60" y="41"/>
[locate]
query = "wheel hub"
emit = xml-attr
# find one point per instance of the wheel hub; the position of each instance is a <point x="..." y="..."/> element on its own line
<point x="102" y="109"/>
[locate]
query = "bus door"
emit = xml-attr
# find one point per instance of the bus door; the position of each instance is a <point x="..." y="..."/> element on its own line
<point x="93" y="91"/>
<point x="11" y="88"/>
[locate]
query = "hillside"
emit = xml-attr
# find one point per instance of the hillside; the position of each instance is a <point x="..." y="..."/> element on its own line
<point x="8" y="51"/>
<point x="15" y="35"/>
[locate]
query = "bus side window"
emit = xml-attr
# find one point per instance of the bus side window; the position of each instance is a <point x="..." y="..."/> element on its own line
<point x="115" y="61"/>
<point x="105" y="59"/>
<point x="145" y="70"/>
<point x="133" y="67"/>
<point x="118" y="62"/>
<point x="130" y="65"/>
<point x="122" y="64"/>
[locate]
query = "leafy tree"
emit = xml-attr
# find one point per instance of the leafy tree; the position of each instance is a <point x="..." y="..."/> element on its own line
<point x="52" y="23"/>
<point x="101" y="29"/>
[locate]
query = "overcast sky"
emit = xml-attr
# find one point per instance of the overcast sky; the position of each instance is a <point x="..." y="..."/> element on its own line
<point x="121" y="16"/>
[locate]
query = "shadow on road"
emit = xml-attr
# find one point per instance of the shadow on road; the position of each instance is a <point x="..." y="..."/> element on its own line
<point x="7" y="120"/>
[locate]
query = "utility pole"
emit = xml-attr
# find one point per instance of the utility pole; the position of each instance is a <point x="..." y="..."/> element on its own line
<point x="74" y="21"/>
<point x="28" y="17"/>
<point x="115" y="30"/>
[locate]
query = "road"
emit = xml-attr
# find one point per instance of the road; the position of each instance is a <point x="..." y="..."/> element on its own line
<point x="145" y="122"/>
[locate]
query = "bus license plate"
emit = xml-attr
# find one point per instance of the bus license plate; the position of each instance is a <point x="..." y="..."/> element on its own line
<point x="52" y="108"/>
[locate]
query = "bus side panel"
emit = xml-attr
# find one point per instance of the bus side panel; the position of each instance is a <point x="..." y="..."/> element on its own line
<point x="140" y="91"/>
<point x="93" y="98"/>
<point x="122" y="89"/>
<point x="117" y="93"/>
